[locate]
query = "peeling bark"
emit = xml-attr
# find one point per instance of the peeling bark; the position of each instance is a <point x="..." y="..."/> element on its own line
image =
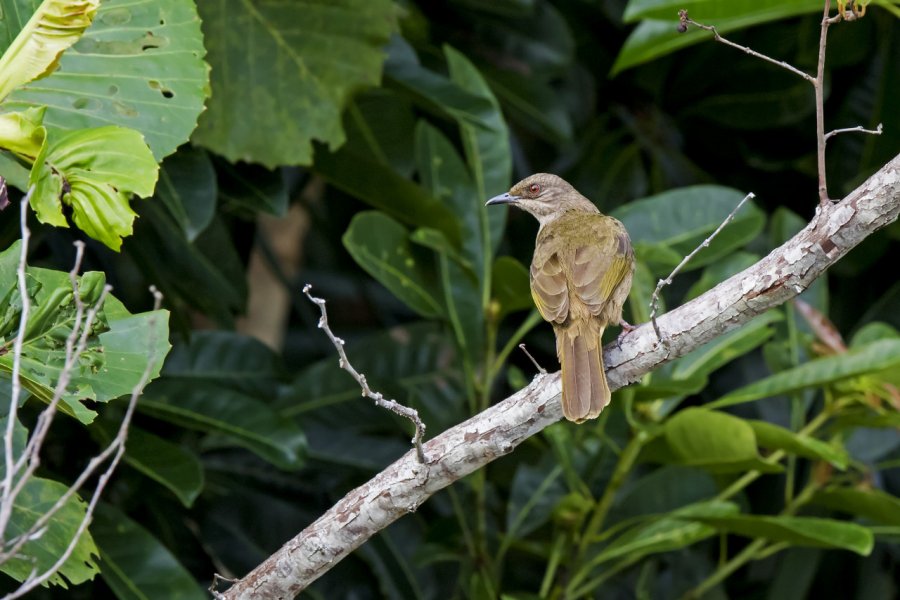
<point x="406" y="484"/>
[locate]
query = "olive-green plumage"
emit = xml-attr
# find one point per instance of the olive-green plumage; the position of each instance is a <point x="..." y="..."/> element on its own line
<point x="580" y="277"/>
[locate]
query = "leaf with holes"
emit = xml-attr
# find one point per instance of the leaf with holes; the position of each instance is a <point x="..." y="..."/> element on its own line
<point x="140" y="65"/>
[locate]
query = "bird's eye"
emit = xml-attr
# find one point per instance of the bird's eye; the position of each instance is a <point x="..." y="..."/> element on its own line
<point x="534" y="188"/>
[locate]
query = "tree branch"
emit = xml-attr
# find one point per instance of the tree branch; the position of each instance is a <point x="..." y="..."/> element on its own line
<point x="403" y="486"/>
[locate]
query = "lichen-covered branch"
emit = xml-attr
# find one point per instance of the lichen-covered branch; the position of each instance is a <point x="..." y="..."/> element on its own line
<point x="403" y="486"/>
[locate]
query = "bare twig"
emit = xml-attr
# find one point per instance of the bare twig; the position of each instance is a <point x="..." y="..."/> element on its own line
<point x="859" y="128"/>
<point x="540" y="369"/>
<point x="818" y="82"/>
<point x="654" y="300"/>
<point x="686" y="20"/>
<point x="380" y="400"/>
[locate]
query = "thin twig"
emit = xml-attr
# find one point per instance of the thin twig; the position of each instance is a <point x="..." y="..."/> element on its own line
<point x="859" y="128"/>
<point x="654" y="300"/>
<point x="540" y="369"/>
<point x="116" y="448"/>
<point x="685" y="21"/>
<point x="380" y="400"/>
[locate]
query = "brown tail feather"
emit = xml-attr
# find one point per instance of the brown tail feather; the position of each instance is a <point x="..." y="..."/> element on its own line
<point x="584" y="389"/>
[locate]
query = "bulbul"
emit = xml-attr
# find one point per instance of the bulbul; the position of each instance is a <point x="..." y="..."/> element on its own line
<point x="580" y="277"/>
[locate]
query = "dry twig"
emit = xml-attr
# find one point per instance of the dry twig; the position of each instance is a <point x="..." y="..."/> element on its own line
<point x="392" y="405"/>
<point x="654" y="300"/>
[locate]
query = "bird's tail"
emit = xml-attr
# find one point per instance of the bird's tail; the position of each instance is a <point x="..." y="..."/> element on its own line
<point x="584" y="389"/>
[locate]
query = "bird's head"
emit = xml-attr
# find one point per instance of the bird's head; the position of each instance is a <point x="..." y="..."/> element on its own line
<point x="545" y="196"/>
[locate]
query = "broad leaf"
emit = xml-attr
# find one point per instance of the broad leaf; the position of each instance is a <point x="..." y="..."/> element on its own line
<point x="120" y="348"/>
<point x="23" y="133"/>
<point x="535" y="493"/>
<point x="34" y="53"/>
<point x="680" y="220"/>
<point x="727" y="347"/>
<point x="778" y="438"/>
<point x="140" y="65"/>
<point x="317" y="54"/>
<point x="94" y="171"/>
<point x="511" y="287"/>
<point x="877" y="356"/>
<point x="240" y="418"/>
<point x="41" y="553"/>
<point x="798" y="531"/>
<point x="136" y="565"/>
<point x="381" y="246"/>
<point x="657" y="35"/>
<point x="715" y="441"/>
<point x="873" y="504"/>
<point x="187" y="187"/>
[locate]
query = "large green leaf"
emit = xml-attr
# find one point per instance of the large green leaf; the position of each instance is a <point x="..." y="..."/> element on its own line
<point x="778" y="438"/>
<point x="187" y="186"/>
<point x="94" y="171"/>
<point x="882" y="354"/>
<point x="283" y="71"/>
<point x="715" y="441"/>
<point x="34" y="53"/>
<point x="679" y="220"/>
<point x="170" y="465"/>
<point x="657" y="36"/>
<point x="38" y="555"/>
<point x="510" y="286"/>
<point x="798" y="531"/>
<point x="873" y="504"/>
<point x="140" y="65"/>
<point x="535" y="493"/>
<point x="381" y="246"/>
<point x="136" y="565"/>
<point x="380" y="186"/>
<point x="118" y="349"/>
<point x="487" y="150"/>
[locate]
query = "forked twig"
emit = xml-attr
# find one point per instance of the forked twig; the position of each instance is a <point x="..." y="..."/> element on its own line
<point x="380" y="400"/>
<point x="654" y="300"/>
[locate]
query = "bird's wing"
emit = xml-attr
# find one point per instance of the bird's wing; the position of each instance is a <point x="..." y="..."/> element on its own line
<point x="549" y="289"/>
<point x="599" y="267"/>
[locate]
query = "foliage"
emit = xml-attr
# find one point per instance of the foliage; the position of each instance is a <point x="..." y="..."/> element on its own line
<point x="765" y="445"/>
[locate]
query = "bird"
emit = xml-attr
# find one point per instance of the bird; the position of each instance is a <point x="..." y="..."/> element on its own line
<point x="581" y="273"/>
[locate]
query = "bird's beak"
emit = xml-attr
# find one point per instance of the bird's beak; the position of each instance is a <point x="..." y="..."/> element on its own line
<point x="506" y="198"/>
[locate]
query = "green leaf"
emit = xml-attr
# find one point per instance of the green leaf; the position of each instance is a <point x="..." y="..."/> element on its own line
<point x="22" y="133"/>
<point x="534" y="495"/>
<point x="168" y="464"/>
<point x="140" y="65"/>
<point x="34" y="53"/>
<point x="715" y="441"/>
<point x="41" y="553"/>
<point x="246" y="421"/>
<point x="380" y="245"/>
<point x="663" y="490"/>
<point x="445" y="177"/>
<point x="252" y="189"/>
<point x="511" y="286"/>
<point x="487" y="149"/>
<point x="873" y="504"/>
<point x="877" y="356"/>
<point x="727" y="347"/>
<point x="291" y="67"/>
<point x="666" y="534"/>
<point x="94" y="171"/>
<point x="778" y="438"/>
<point x="679" y="220"/>
<point x="136" y="565"/>
<point x="381" y="187"/>
<point x="207" y="274"/>
<point x="657" y="36"/>
<point x="462" y="299"/>
<point x="798" y="531"/>
<point x="431" y="90"/>
<point x="118" y="349"/>
<point x="187" y="187"/>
